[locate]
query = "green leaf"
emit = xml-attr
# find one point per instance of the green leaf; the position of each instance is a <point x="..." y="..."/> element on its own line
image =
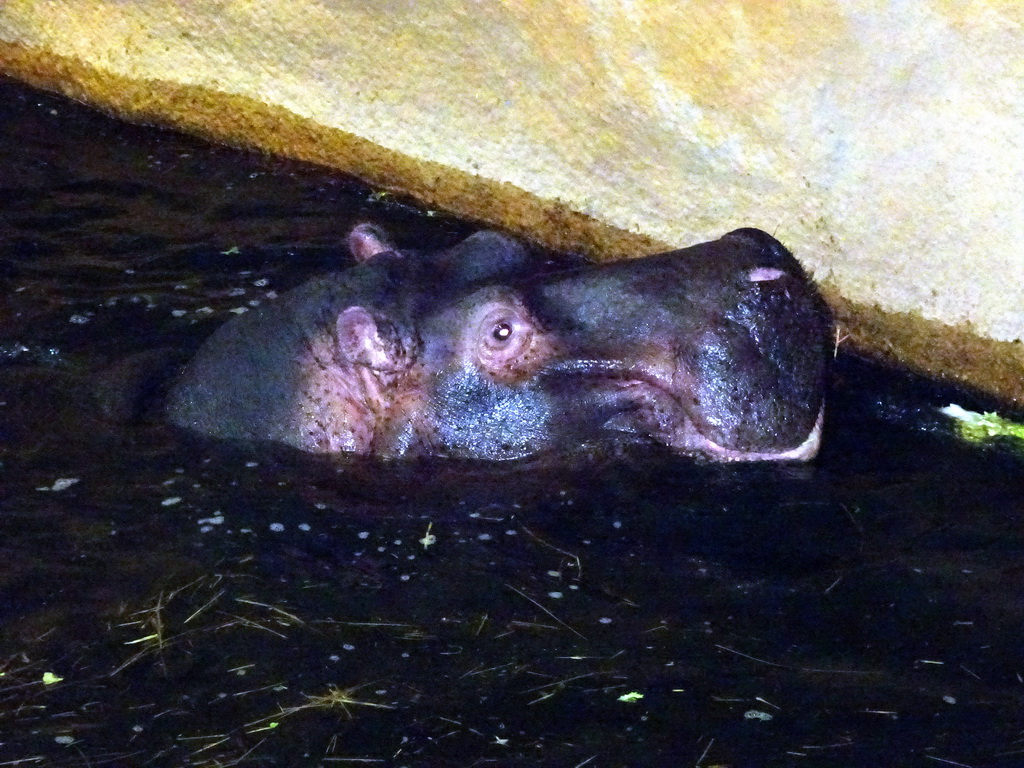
<point x="975" y="427"/>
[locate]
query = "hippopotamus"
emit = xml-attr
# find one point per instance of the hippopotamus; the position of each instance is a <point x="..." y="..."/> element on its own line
<point x="490" y="350"/>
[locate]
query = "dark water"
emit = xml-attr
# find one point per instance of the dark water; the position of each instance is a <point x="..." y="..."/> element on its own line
<point x="204" y="605"/>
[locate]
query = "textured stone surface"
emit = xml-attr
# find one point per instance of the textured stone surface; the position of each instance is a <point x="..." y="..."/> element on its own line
<point x="883" y="143"/>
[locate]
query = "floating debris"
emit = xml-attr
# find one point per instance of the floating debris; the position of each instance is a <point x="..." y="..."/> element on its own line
<point x="976" y="427"/>
<point x="60" y="484"/>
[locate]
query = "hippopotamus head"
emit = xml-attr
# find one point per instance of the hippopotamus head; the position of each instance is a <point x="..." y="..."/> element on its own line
<point x="489" y="350"/>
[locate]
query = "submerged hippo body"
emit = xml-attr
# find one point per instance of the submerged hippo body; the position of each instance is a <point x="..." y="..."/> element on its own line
<point x="486" y="350"/>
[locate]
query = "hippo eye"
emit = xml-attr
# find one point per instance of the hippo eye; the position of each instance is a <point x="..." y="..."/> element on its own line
<point x="502" y="331"/>
<point x="506" y="331"/>
<point x="506" y="342"/>
<point x="506" y="334"/>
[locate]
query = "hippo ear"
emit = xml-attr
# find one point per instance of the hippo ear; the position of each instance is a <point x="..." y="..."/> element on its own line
<point x="360" y="342"/>
<point x="366" y="241"/>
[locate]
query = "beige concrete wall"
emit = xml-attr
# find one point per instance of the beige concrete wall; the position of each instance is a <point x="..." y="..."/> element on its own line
<point x="884" y="142"/>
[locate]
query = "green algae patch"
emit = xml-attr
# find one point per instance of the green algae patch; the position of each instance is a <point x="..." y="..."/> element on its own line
<point x="976" y="427"/>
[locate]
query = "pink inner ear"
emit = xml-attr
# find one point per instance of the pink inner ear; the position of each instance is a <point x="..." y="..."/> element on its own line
<point x="365" y="241"/>
<point x="359" y="342"/>
<point x="764" y="274"/>
<point x="356" y="335"/>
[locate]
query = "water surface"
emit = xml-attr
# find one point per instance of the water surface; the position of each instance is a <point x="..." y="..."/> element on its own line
<point x="216" y="605"/>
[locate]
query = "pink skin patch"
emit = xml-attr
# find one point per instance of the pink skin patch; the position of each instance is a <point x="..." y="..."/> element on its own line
<point x="764" y="274"/>
<point x="808" y="449"/>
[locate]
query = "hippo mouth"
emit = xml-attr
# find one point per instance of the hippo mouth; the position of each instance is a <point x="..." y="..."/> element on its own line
<point x="646" y="404"/>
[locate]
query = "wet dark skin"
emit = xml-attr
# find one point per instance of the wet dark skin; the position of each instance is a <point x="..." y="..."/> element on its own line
<point x="488" y="350"/>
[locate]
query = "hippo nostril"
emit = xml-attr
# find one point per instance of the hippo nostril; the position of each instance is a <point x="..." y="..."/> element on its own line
<point x="764" y="274"/>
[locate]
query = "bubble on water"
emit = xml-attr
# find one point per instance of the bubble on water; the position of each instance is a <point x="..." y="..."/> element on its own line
<point x="60" y="484"/>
